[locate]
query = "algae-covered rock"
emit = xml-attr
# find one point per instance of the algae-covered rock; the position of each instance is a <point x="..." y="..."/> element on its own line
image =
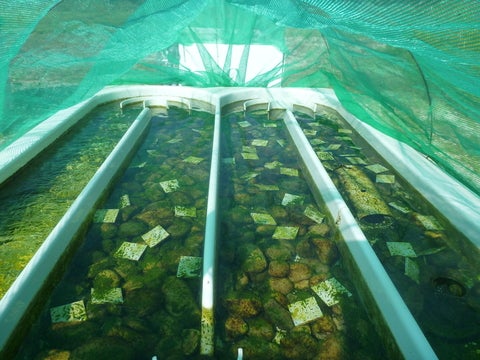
<point x="180" y="302"/>
<point x="132" y="228"/>
<point x="235" y="326"/>
<point x="304" y="249"/>
<point x="54" y="354"/>
<point x="252" y="258"/>
<point x="265" y="230"/>
<point x="108" y="230"/>
<point x="180" y="198"/>
<point x="322" y="327"/>
<point x="332" y="348"/>
<point x="240" y="215"/>
<point x="243" y="307"/>
<point x="72" y="333"/>
<point x="278" y="268"/>
<point x="179" y="228"/>
<point x="278" y="252"/>
<point x="104" y="348"/>
<point x="141" y="302"/>
<point x="299" y="272"/>
<point x="278" y="315"/>
<point x="281" y="285"/>
<point x="105" y="280"/>
<point x="326" y="250"/>
<point x="299" y="345"/>
<point x="153" y="217"/>
<point x="260" y="328"/>
<point x="190" y="341"/>
<point x="318" y="230"/>
<point x="278" y="212"/>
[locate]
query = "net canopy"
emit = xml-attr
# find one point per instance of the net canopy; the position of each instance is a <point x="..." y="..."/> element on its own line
<point x="409" y="68"/>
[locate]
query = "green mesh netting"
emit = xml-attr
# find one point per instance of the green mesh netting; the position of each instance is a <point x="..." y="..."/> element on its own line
<point x="409" y="68"/>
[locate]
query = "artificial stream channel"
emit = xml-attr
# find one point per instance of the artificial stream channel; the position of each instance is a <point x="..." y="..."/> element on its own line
<point x="434" y="267"/>
<point x="133" y="288"/>
<point x="36" y="198"/>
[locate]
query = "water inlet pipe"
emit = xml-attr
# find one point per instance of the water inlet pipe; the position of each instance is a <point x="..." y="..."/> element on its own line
<point x="20" y="296"/>
<point x="207" y="331"/>
<point x="410" y="340"/>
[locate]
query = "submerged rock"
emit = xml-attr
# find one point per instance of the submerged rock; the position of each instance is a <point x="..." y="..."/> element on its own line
<point x="253" y="259"/>
<point x="243" y="307"/>
<point x="235" y="326"/>
<point x="278" y="252"/>
<point x="326" y="250"/>
<point x="106" y="280"/>
<point x="278" y="268"/>
<point x="104" y="348"/>
<point x="190" y="341"/>
<point x="281" y="285"/>
<point x="260" y="328"/>
<point x="132" y="228"/>
<point x="278" y="315"/>
<point x="180" y="302"/>
<point x="299" y="272"/>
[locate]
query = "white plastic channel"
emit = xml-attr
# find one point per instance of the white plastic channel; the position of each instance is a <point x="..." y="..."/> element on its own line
<point x="409" y="338"/>
<point x="17" y="300"/>
<point x="207" y="342"/>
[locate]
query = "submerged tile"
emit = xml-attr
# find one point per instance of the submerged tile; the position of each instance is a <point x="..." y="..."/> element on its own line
<point x="401" y="249"/>
<point x="330" y="291"/>
<point x="130" y="251"/>
<point x="344" y="131"/>
<point x="170" y="185"/>
<point x="263" y="219"/>
<point x="249" y="149"/>
<point x="139" y="166"/>
<point x="249" y="176"/>
<point x="355" y="160"/>
<point x="273" y="165"/>
<point x="259" y="142"/>
<point x="428" y="222"/>
<point x="385" y="179"/>
<point x="174" y="141"/>
<point x="155" y="236"/>
<point x="316" y="142"/>
<point x="229" y="161"/>
<point x="269" y="125"/>
<point x="125" y="201"/>
<point x="309" y="132"/>
<point x="72" y="312"/>
<point x="267" y="187"/>
<point x="113" y="296"/>
<point x="250" y="156"/>
<point x="313" y="214"/>
<point x="105" y="215"/>
<point x="333" y="147"/>
<point x="183" y="211"/>
<point x="304" y="311"/>
<point x="281" y="142"/>
<point x="412" y="270"/>
<point x="325" y="155"/>
<point x="376" y="168"/>
<point x="285" y="232"/>
<point x="189" y="266"/>
<point x="288" y="171"/>
<point x="402" y="208"/>
<point x="244" y="124"/>
<point x="290" y="199"/>
<point x="193" y="160"/>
